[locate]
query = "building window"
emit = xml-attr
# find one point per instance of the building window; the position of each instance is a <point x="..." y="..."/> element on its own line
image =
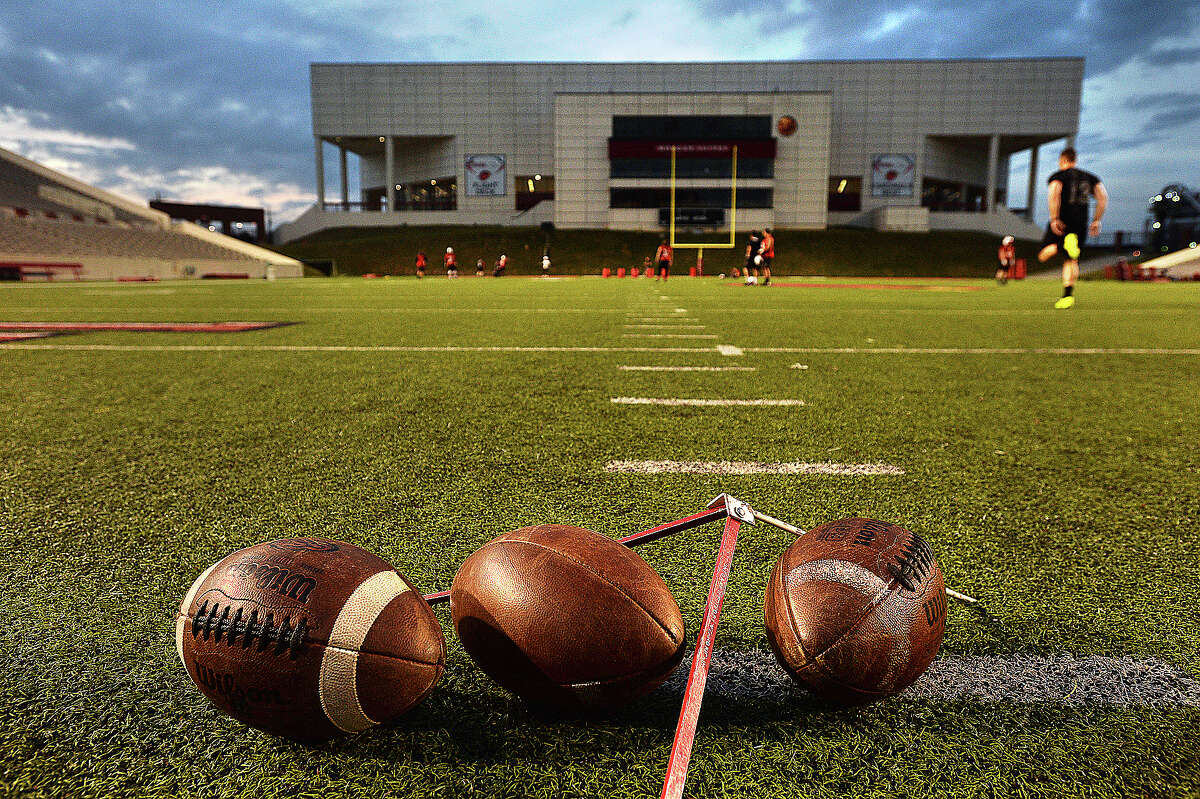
<point x="845" y="193"/>
<point x="532" y="189"/>
<point x="691" y="168"/>
<point x="700" y="128"/>
<point x="689" y="198"/>
<point x="434" y="194"/>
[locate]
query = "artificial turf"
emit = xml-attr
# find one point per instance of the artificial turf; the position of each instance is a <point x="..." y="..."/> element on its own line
<point x="1062" y="490"/>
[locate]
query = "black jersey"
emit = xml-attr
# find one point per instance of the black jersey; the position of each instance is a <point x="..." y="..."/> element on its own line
<point x="1077" y="189"/>
<point x="755" y="245"/>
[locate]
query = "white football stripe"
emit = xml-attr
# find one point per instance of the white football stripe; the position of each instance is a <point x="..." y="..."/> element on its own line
<point x="730" y="349"/>
<point x="744" y="467"/>
<point x="669" y="335"/>
<point x="339" y="665"/>
<point x="704" y="402"/>
<point x="627" y="368"/>
<point x="182" y="621"/>
<point x="837" y="571"/>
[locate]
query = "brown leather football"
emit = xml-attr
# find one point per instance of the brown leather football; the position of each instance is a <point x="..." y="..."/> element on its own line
<point x="856" y="609"/>
<point x="309" y="638"/>
<point x="567" y="619"/>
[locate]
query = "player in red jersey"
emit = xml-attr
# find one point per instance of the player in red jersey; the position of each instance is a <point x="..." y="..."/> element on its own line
<point x="451" y="262"/>
<point x="501" y="265"/>
<point x="1007" y="254"/>
<point x="767" y="250"/>
<point x="422" y="262"/>
<point x="663" y="256"/>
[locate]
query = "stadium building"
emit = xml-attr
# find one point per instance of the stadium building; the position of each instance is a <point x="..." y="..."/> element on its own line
<point x="900" y="145"/>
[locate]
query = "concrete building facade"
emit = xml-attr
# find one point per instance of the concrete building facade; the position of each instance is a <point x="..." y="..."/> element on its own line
<point x="891" y="144"/>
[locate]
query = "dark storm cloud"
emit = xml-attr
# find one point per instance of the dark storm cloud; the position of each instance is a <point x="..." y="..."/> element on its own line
<point x="1166" y="110"/>
<point x="190" y="84"/>
<point x="1164" y="100"/>
<point x="1107" y="33"/>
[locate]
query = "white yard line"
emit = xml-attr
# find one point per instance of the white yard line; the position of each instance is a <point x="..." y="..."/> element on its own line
<point x="705" y="403"/>
<point x="983" y="350"/>
<point x="1056" y="679"/>
<point x="625" y="368"/>
<point x="730" y="350"/>
<point x="668" y="335"/>
<point x="666" y="327"/>
<point x="633" y="318"/>
<point x="750" y="467"/>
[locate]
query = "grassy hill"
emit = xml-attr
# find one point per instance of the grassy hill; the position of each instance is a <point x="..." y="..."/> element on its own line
<point x="837" y="251"/>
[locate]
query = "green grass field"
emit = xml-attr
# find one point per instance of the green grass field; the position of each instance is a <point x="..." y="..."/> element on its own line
<point x="1062" y="489"/>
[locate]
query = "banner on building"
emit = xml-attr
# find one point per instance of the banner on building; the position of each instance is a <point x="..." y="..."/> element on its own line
<point x="892" y="175"/>
<point x="486" y="176"/>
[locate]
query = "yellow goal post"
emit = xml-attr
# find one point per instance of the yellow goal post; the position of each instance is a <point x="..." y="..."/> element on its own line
<point x="732" y="243"/>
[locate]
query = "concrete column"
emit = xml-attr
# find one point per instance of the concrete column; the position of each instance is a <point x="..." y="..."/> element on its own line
<point x="993" y="168"/>
<point x="1029" y="196"/>
<point x="389" y="172"/>
<point x="1071" y="141"/>
<point x="319" y="147"/>
<point x="345" y="178"/>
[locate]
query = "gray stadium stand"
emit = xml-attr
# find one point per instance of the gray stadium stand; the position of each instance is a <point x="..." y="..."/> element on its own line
<point x="53" y="226"/>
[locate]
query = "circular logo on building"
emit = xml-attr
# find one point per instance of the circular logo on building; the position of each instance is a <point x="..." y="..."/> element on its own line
<point x="786" y="125"/>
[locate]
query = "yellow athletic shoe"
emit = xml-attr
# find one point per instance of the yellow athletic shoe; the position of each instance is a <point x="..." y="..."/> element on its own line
<point x="1071" y="246"/>
<point x="1066" y="302"/>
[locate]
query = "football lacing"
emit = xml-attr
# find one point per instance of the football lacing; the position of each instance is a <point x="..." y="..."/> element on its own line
<point x="217" y="623"/>
<point x="913" y="564"/>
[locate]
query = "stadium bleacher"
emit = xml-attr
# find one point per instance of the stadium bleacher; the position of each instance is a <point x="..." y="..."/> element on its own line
<point x="52" y="225"/>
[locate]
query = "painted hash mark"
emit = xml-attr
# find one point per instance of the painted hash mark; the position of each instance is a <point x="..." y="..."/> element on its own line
<point x="748" y="467"/>
<point x="705" y="403"/>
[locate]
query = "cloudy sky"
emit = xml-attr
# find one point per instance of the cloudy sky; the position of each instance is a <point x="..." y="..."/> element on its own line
<point x="210" y="102"/>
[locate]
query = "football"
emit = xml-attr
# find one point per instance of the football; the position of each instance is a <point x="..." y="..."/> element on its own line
<point x="856" y="609"/>
<point x="309" y="638"/>
<point x="569" y="620"/>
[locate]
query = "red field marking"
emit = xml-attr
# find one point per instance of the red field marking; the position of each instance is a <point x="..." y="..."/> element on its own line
<point x="139" y="327"/>
<point x="26" y="336"/>
<point x="910" y="287"/>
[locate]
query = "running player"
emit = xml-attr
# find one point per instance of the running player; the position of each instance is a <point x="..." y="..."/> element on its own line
<point x="451" y="263"/>
<point x="1070" y="192"/>
<point x="501" y="265"/>
<point x="767" y="250"/>
<point x="1008" y="258"/>
<point x="663" y="256"/>
<point x="478" y="267"/>
<point x="422" y="262"/>
<point x="752" y="257"/>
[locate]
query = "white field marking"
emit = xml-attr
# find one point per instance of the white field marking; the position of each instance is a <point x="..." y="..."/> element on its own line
<point x="668" y="335"/>
<point x="798" y="366"/>
<point x="330" y="348"/>
<point x="1060" y="679"/>
<point x="747" y="467"/>
<point x="639" y="317"/>
<point x="687" y="368"/>
<point x="730" y="350"/>
<point x="667" y="327"/>
<point x="984" y="350"/>
<point x="706" y="403"/>
<point x="681" y="310"/>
